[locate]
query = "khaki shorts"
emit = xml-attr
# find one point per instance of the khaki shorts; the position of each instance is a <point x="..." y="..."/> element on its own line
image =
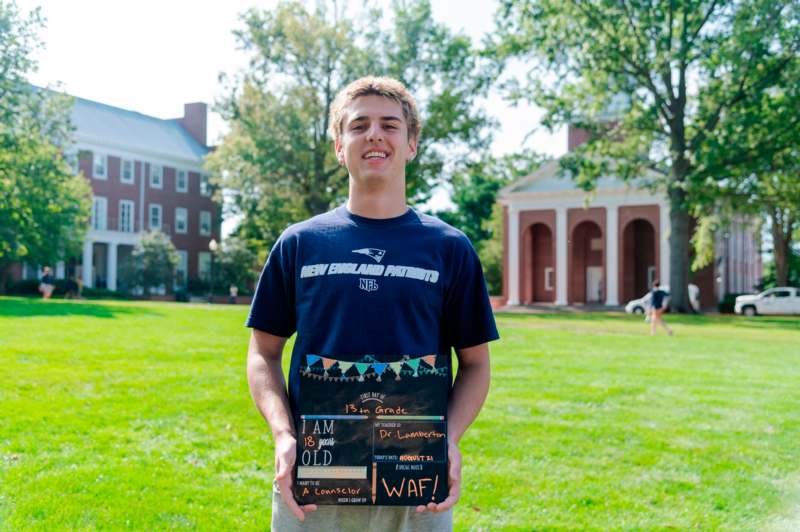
<point x="358" y="518"/>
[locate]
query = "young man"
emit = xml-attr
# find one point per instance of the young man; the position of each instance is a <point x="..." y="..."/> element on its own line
<point x="657" y="308"/>
<point x="433" y="300"/>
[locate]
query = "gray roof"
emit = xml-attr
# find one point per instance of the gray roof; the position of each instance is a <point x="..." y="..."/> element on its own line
<point x="550" y="177"/>
<point x="103" y="124"/>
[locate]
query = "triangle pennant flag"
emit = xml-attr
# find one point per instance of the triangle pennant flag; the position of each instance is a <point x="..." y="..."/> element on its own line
<point x="328" y="362"/>
<point x="413" y="363"/>
<point x="396" y="367"/>
<point x="379" y="368"/>
<point x="312" y="359"/>
<point x="430" y="360"/>
<point x="362" y="367"/>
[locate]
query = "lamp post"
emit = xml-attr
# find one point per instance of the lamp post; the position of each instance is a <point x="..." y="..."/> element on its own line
<point x="212" y="247"/>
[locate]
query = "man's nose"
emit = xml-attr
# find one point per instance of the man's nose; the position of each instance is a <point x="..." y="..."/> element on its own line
<point x="374" y="133"/>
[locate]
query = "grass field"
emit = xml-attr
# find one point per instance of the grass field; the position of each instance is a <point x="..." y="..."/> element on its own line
<point x="122" y="415"/>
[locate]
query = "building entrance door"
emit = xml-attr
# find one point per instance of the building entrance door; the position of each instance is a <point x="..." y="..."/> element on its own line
<point x="594" y="284"/>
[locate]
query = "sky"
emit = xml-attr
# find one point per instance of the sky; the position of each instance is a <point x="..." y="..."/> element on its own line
<point x="152" y="57"/>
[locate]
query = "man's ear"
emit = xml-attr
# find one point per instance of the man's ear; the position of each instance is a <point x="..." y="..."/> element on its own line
<point x="412" y="149"/>
<point x="339" y="150"/>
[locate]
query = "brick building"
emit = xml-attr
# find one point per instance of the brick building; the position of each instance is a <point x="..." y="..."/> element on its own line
<point x="560" y="249"/>
<point x="145" y="173"/>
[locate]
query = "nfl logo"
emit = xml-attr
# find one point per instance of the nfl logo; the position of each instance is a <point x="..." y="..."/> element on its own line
<point x="369" y="285"/>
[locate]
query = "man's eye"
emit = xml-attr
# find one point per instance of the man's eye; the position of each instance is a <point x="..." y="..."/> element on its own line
<point x="389" y="126"/>
<point x="357" y="128"/>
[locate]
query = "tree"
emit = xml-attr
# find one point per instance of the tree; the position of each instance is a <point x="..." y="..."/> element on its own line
<point x="491" y="251"/>
<point x="474" y="190"/>
<point x="278" y="162"/>
<point x="764" y="185"/>
<point x="770" y="278"/>
<point x="44" y="209"/>
<point x="236" y="263"/>
<point x="152" y="263"/>
<point x="652" y="82"/>
<point x="477" y="214"/>
<point x="760" y="183"/>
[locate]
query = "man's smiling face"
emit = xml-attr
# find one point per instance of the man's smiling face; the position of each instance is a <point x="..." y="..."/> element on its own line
<point x="374" y="143"/>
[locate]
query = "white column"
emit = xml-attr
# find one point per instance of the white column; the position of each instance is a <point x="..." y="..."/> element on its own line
<point x="88" y="280"/>
<point x="612" y="256"/>
<point x="513" y="255"/>
<point x="60" y="269"/>
<point x="665" y="232"/>
<point x="111" y="276"/>
<point x="561" y="256"/>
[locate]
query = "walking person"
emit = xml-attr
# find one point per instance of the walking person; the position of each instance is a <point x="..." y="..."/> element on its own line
<point x="47" y="283"/>
<point x="372" y="276"/>
<point x="658" y="301"/>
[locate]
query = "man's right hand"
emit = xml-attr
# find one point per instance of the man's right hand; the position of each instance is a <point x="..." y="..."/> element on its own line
<point x="285" y="455"/>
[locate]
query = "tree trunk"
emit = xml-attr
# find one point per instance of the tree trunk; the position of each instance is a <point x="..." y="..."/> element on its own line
<point x="781" y="243"/>
<point x="678" y="209"/>
<point x="5" y="267"/>
<point x="678" y="251"/>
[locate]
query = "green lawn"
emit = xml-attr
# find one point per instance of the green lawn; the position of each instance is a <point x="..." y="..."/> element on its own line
<point x="136" y="415"/>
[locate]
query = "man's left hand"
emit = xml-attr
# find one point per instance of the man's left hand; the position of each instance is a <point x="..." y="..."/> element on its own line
<point x="454" y="482"/>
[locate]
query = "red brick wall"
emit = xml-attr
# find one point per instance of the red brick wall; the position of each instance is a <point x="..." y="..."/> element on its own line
<point x="703" y="278"/>
<point x="114" y="190"/>
<point x="578" y="254"/>
<point x="505" y="252"/>
<point x="537" y="251"/>
<point x="626" y="278"/>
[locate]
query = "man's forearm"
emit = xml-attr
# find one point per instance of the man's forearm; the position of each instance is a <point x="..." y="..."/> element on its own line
<point x="469" y="392"/>
<point x="268" y="389"/>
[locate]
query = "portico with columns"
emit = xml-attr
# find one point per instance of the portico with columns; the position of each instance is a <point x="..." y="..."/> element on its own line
<point x="565" y="247"/>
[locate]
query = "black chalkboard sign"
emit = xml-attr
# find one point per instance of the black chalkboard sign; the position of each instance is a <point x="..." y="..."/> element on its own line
<point x="372" y="431"/>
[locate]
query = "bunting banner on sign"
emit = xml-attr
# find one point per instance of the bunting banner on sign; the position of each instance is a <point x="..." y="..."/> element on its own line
<point x="369" y="368"/>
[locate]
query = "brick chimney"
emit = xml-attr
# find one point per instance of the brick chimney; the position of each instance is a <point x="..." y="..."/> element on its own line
<point x="195" y="119"/>
<point x="576" y="136"/>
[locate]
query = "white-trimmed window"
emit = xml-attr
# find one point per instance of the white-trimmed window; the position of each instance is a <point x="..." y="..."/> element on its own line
<point x="126" y="171"/>
<point x="154" y="215"/>
<point x="126" y="216"/>
<point x="99" y="166"/>
<point x="205" y="223"/>
<point x="156" y="176"/>
<point x="548" y="278"/>
<point x="181" y="219"/>
<point x="99" y="213"/>
<point x="204" y="265"/>
<point x="205" y="189"/>
<point x="181" y="180"/>
<point x="182" y="272"/>
<point x="72" y="161"/>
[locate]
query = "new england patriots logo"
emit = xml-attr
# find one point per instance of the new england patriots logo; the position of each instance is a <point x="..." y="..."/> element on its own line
<point x="375" y="253"/>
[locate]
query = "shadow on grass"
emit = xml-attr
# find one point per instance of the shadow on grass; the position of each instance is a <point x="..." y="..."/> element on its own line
<point x="758" y="322"/>
<point x="29" y="307"/>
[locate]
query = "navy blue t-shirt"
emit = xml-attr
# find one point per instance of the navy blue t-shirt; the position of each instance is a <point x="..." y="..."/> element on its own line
<point x="657" y="298"/>
<point x="352" y="286"/>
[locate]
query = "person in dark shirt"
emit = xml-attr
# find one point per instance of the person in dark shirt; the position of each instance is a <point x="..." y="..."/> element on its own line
<point x="657" y="308"/>
<point x="372" y="277"/>
<point x="47" y="283"/>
